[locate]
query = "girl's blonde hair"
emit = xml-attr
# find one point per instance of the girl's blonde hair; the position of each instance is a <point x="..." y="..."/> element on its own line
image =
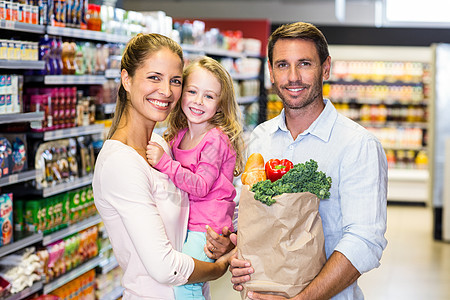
<point x="228" y="116"/>
<point x="138" y="49"/>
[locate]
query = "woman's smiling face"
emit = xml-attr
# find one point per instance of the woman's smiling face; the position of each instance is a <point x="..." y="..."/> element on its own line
<point x="156" y="86"/>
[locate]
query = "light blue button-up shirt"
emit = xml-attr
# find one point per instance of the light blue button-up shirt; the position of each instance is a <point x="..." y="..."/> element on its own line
<point x="354" y="217"/>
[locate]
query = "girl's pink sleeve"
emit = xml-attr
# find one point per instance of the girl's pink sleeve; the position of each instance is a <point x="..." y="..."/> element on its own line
<point x="199" y="182"/>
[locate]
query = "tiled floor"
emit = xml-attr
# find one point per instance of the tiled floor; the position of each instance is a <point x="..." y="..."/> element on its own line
<point x="413" y="267"/>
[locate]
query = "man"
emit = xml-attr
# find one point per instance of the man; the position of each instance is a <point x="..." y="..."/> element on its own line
<point x="309" y="127"/>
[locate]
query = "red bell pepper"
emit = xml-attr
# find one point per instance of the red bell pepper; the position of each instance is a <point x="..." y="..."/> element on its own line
<point x="276" y="168"/>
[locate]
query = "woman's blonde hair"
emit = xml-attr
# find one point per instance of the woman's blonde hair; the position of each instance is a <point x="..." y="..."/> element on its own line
<point x="138" y="49"/>
<point x="228" y="116"/>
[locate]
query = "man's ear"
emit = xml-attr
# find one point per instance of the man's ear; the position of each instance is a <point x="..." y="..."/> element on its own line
<point x="124" y="76"/>
<point x="326" y="68"/>
<point x="269" y="65"/>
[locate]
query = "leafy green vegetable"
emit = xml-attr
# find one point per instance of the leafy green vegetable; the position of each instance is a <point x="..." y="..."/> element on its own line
<point x="303" y="177"/>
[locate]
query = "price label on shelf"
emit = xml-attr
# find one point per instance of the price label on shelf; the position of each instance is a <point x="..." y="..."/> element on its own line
<point x="10" y="24"/>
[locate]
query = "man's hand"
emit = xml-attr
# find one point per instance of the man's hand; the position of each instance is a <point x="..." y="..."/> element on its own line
<point x="257" y="296"/>
<point x="154" y="153"/>
<point x="240" y="269"/>
<point x="216" y="244"/>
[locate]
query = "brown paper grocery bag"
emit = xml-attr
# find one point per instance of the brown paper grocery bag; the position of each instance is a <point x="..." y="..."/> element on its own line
<point x="284" y="242"/>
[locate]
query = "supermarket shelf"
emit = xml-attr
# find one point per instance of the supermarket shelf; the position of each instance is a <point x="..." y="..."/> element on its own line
<point x="108" y="265"/>
<point x="247" y="99"/>
<point x="64" y="187"/>
<point x="68" y="132"/>
<point x="408" y="174"/>
<point x="37" y="286"/>
<point x="114" y="294"/>
<point x="422" y="125"/>
<point x="73" y="228"/>
<point x="408" y="185"/>
<point x="112" y="73"/>
<point x="106" y="108"/>
<point x="211" y="51"/>
<point x="245" y="76"/>
<point x="87" y="34"/>
<point x="74" y="79"/>
<point x="404" y="147"/>
<point x="371" y="82"/>
<point x="22" y="64"/>
<point x="21" y="243"/>
<point x="374" y="101"/>
<point x="19" y="177"/>
<point x="20" y="26"/>
<point x="72" y="274"/>
<point x="24" y="117"/>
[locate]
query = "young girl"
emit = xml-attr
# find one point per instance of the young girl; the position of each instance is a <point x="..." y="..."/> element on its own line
<point x="144" y="213"/>
<point x="206" y="139"/>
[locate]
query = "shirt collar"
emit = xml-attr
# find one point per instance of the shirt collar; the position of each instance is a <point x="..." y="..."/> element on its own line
<point x="321" y="127"/>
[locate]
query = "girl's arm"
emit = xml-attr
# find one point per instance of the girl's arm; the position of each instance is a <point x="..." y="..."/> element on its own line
<point x="199" y="182"/>
<point x="126" y="187"/>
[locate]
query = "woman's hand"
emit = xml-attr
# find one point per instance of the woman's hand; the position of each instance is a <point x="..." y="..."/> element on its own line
<point x="216" y="244"/>
<point x="154" y="153"/>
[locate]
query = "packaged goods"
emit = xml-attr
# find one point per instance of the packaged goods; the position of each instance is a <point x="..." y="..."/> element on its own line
<point x="6" y="219"/>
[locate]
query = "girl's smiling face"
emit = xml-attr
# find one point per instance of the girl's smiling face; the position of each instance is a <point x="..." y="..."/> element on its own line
<point x="155" y="87"/>
<point x="201" y="96"/>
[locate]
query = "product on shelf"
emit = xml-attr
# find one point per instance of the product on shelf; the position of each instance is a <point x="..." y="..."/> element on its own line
<point x="93" y="20"/>
<point x="58" y="105"/>
<point x="11" y="87"/>
<point x="19" y="12"/>
<point x="18" y="50"/>
<point x="5" y="287"/>
<point x="62" y="256"/>
<point x="82" y="287"/>
<point x="106" y="283"/>
<point x="21" y="269"/>
<point x="17" y="160"/>
<point x="6" y="219"/>
<point x="5" y="157"/>
<point x="54" y="159"/>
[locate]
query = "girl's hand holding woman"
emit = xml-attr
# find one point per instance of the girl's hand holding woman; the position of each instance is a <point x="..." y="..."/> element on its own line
<point x="154" y="153"/>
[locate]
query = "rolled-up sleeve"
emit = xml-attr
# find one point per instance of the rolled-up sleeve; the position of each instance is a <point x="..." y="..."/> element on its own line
<point x="363" y="192"/>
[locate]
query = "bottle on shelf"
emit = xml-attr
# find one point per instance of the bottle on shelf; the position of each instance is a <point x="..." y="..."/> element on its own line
<point x="93" y="20"/>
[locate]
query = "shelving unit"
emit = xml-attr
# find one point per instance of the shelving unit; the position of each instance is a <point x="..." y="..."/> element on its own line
<point x="409" y="185"/>
<point x="68" y="132"/>
<point x="114" y="294"/>
<point x="36" y="287"/>
<point x="22" y="64"/>
<point x="71" y="229"/>
<point x="24" y="27"/>
<point x="21" y="118"/>
<point x="14" y="180"/>
<point x="20" y="243"/>
<point x="72" y="274"/>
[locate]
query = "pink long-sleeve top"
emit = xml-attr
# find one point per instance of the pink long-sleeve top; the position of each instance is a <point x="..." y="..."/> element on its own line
<point x="205" y="172"/>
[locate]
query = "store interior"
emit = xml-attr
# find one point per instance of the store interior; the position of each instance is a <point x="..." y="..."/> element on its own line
<point x="59" y="76"/>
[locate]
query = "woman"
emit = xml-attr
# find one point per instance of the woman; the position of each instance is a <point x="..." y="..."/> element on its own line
<point x="145" y="215"/>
